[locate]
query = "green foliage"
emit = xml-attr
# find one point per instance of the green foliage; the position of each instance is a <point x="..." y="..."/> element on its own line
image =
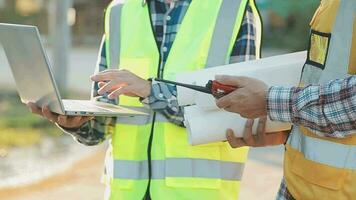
<point x="297" y="15"/>
<point x="19" y="127"/>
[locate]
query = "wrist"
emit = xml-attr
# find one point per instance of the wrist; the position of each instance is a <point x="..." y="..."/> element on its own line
<point x="146" y="92"/>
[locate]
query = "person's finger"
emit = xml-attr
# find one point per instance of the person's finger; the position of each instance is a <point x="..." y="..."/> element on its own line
<point x="120" y="91"/>
<point x="108" y="71"/>
<point x="225" y="101"/>
<point x="233" y="108"/>
<point x="238" y="81"/>
<point x="49" y="115"/>
<point x="247" y="136"/>
<point x="247" y="115"/>
<point x="75" y="120"/>
<point x="101" y="84"/>
<point x="261" y="128"/>
<point x="62" y="120"/>
<point x="71" y="122"/>
<point x="233" y="141"/>
<point x="103" y="76"/>
<point x="109" y="75"/>
<point x="111" y="86"/>
<point x="34" y="108"/>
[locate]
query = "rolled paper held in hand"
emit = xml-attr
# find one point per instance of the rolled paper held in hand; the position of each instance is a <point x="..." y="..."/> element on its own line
<point x="208" y="126"/>
<point x="206" y="123"/>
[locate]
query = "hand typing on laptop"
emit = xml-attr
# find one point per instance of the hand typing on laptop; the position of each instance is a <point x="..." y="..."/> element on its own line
<point x="121" y="82"/>
<point x="62" y="120"/>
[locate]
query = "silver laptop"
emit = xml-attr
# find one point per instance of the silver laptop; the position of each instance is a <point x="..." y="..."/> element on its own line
<point x="34" y="79"/>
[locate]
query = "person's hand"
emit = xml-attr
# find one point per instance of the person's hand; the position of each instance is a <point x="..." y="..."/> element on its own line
<point x="261" y="138"/>
<point x="62" y="120"/>
<point x="249" y="99"/>
<point x="121" y="82"/>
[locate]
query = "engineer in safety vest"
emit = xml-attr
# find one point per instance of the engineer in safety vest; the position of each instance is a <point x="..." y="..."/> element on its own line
<point x="320" y="157"/>
<point x="150" y="157"/>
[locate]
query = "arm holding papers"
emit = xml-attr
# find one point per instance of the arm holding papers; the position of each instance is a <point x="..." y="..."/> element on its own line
<point x="327" y="110"/>
<point x="278" y="70"/>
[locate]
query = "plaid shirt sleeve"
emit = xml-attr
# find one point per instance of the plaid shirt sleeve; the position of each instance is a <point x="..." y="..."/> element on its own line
<point x="98" y="129"/>
<point x="163" y="96"/>
<point x="327" y="110"/>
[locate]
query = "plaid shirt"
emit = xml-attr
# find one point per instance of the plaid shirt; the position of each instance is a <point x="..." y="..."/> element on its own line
<point x="166" y="19"/>
<point x="327" y="110"/>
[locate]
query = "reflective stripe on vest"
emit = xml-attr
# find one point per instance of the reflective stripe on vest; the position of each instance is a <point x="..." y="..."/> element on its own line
<point x="224" y="28"/>
<point x="114" y="14"/>
<point x="178" y="167"/>
<point x="324" y="152"/>
<point x="141" y="119"/>
<point x="340" y="43"/>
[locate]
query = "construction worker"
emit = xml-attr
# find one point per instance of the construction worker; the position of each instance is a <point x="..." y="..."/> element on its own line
<point x="150" y="157"/>
<point x="320" y="157"/>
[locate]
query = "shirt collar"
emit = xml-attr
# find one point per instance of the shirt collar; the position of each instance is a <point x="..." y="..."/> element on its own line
<point x="163" y="1"/>
<point x="144" y="2"/>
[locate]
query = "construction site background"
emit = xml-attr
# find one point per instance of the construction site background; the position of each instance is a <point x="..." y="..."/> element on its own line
<point x="38" y="162"/>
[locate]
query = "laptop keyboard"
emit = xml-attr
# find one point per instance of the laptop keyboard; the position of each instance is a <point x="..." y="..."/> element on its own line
<point x="78" y="105"/>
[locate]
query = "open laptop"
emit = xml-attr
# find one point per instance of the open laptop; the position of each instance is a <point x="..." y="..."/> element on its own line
<point x="34" y="79"/>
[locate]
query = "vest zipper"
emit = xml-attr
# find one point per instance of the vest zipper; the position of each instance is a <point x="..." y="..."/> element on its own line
<point x="149" y="148"/>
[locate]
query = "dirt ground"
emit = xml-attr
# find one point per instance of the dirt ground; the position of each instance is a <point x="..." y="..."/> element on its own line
<point x="82" y="181"/>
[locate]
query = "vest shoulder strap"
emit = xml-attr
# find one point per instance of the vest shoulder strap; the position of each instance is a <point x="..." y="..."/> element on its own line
<point x="112" y="33"/>
<point x="341" y="42"/>
<point x="223" y="32"/>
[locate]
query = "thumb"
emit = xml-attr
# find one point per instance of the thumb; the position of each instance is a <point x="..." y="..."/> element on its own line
<point x="238" y="81"/>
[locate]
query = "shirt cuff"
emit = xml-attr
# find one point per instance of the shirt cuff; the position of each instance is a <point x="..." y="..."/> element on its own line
<point x="82" y="135"/>
<point x="280" y="103"/>
<point x="162" y="95"/>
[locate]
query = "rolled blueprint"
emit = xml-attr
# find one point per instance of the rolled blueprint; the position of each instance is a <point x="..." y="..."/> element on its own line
<point x="206" y="123"/>
<point x="208" y="126"/>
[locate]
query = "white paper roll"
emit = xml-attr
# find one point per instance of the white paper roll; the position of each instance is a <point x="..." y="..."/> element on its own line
<point x="186" y="96"/>
<point x="206" y="123"/>
<point x="208" y="126"/>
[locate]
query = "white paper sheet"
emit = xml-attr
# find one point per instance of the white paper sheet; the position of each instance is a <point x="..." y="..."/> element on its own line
<point x="208" y="126"/>
<point x="282" y="70"/>
<point x="206" y="123"/>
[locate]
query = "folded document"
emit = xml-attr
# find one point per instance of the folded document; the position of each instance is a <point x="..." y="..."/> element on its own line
<point x="206" y="123"/>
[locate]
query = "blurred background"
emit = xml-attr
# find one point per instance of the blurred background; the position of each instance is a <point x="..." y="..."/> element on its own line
<point x="38" y="162"/>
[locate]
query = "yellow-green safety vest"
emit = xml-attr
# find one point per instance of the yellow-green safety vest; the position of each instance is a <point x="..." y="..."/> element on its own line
<point x="323" y="167"/>
<point x="149" y="153"/>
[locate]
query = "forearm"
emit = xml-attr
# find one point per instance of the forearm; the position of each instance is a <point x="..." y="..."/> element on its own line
<point x="328" y="110"/>
<point x="93" y="132"/>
